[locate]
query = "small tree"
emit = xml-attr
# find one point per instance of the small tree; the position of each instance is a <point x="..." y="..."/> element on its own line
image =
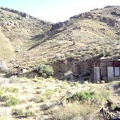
<point x="45" y="70"/>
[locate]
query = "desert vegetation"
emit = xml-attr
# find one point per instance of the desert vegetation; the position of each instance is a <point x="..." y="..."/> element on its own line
<point x="45" y="88"/>
<point x="50" y="98"/>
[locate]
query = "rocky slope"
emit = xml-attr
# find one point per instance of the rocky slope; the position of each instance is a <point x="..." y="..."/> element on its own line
<point x="21" y="29"/>
<point x="82" y="37"/>
<point x="26" y="40"/>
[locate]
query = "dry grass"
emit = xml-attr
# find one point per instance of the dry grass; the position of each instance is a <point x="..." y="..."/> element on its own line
<point x="74" y="111"/>
<point x="37" y="92"/>
<point x="6" y="49"/>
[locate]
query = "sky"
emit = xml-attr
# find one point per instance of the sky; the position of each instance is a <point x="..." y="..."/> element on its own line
<point x="56" y="10"/>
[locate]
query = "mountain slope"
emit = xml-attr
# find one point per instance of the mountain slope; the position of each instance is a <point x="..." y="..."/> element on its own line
<point x="6" y="49"/>
<point x="21" y="29"/>
<point x="83" y="36"/>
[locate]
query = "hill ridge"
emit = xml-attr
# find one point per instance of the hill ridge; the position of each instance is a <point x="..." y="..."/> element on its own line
<point x="22" y="14"/>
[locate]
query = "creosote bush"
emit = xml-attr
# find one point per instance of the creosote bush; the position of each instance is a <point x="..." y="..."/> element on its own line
<point x="23" y="112"/>
<point x="49" y="93"/>
<point x="1" y="92"/>
<point x="12" y="101"/>
<point x="82" y="96"/>
<point x="11" y="89"/>
<point x="45" y="70"/>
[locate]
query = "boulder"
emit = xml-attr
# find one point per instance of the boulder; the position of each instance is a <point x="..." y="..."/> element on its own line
<point x="110" y="111"/>
<point x="4" y="67"/>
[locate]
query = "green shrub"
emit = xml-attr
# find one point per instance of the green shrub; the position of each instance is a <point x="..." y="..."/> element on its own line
<point x="29" y="113"/>
<point x="49" y="92"/>
<point x="30" y="106"/>
<point x="75" y="84"/>
<point x="1" y="92"/>
<point x="86" y="95"/>
<point x="6" y="117"/>
<point x="42" y="98"/>
<point x="23" y="112"/>
<point x="82" y="96"/>
<point x="11" y="89"/>
<point x="45" y="70"/>
<point x="12" y="101"/>
<point x="18" y="111"/>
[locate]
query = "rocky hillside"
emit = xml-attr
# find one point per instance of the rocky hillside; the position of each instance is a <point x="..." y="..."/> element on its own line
<point x="20" y="29"/>
<point x="28" y="41"/>
<point x="6" y="49"/>
<point x="82" y="37"/>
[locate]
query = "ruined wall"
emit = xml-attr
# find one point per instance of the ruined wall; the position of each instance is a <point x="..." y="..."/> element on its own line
<point x="61" y="67"/>
<point x="80" y="69"/>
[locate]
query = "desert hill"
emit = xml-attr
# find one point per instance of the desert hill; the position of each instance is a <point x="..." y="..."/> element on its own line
<point x="82" y="37"/>
<point x="6" y="49"/>
<point x="26" y="41"/>
<point x="20" y="29"/>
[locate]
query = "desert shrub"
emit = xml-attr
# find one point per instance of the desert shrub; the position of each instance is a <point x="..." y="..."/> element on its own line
<point x="85" y="96"/>
<point x="23" y="112"/>
<point x="45" y="70"/>
<point x="49" y="92"/>
<point x="18" y="111"/>
<point x="6" y="117"/>
<point x="73" y="112"/>
<point x="11" y="89"/>
<point x="30" y="106"/>
<point x="29" y="113"/>
<point x="41" y="99"/>
<point x="75" y="84"/>
<point x="102" y="95"/>
<point x="12" y="101"/>
<point x="1" y="91"/>
<point x="82" y="96"/>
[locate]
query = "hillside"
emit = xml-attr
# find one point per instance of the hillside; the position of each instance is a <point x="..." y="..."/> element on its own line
<point x="6" y="49"/>
<point x="21" y="29"/>
<point x="82" y="36"/>
<point x="44" y="92"/>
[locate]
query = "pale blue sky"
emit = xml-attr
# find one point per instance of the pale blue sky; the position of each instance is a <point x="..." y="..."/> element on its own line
<point x="56" y="10"/>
